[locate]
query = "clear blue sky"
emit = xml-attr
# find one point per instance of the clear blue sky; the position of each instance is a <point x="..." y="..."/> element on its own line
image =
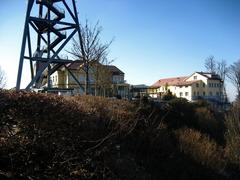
<point x="153" y="38"/>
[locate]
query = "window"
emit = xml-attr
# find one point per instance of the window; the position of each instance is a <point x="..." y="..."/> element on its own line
<point x="203" y="85"/>
<point x="210" y="84"/>
<point x="194" y="93"/>
<point x="198" y="93"/>
<point x="210" y="93"/>
<point x="186" y="93"/>
<point x="214" y="84"/>
<point x="197" y="85"/>
<point x="217" y="93"/>
<point x="180" y="94"/>
<point x="53" y="78"/>
<point x="194" y="77"/>
<point x="204" y="93"/>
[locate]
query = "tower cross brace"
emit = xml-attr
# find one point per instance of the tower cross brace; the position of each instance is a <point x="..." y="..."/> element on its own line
<point x="50" y="27"/>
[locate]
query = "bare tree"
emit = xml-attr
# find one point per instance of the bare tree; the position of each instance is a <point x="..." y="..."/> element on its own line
<point x="222" y="69"/>
<point x="103" y="77"/>
<point x="234" y="76"/>
<point x="210" y="64"/>
<point x="2" y="78"/>
<point x="89" y="48"/>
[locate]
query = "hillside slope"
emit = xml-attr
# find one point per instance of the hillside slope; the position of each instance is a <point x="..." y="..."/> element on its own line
<point x="84" y="137"/>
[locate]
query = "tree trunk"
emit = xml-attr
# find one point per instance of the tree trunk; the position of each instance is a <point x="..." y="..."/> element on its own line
<point x="96" y="81"/>
<point x="238" y="94"/>
<point x="87" y="80"/>
<point x="95" y="89"/>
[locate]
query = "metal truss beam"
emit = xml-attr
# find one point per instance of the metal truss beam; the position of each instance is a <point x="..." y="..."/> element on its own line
<point x="47" y="59"/>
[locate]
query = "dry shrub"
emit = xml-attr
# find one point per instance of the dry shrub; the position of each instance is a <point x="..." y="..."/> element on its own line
<point x="199" y="116"/>
<point x="205" y="118"/>
<point x="45" y="136"/>
<point x="200" y="148"/>
<point x="181" y="113"/>
<point x="233" y="135"/>
<point x="206" y="122"/>
<point x="120" y="112"/>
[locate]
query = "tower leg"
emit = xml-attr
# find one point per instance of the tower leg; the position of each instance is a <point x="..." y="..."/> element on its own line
<point x="26" y="29"/>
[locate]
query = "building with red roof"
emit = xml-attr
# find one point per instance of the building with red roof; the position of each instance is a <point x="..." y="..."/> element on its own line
<point x="105" y="80"/>
<point x="199" y="85"/>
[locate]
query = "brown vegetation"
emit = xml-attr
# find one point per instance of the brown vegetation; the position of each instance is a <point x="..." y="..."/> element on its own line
<point x="84" y="137"/>
<point x="233" y="136"/>
<point x="201" y="148"/>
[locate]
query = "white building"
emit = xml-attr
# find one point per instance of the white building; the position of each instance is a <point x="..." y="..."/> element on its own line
<point x="199" y="85"/>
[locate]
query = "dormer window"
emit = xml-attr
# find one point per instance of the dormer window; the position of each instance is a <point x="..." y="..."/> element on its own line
<point x="194" y="77"/>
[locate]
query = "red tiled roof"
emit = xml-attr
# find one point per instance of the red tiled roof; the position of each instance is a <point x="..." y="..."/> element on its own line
<point x="75" y="65"/>
<point x="185" y="83"/>
<point x="169" y="81"/>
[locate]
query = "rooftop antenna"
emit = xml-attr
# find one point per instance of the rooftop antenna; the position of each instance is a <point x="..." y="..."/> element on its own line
<point x="52" y="33"/>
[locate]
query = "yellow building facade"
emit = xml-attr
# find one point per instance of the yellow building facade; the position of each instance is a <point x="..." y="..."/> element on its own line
<point x="66" y="77"/>
<point x="199" y="85"/>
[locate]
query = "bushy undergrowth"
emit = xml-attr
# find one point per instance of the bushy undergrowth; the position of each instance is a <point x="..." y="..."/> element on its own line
<point x="200" y="116"/>
<point x="201" y="148"/>
<point x="233" y="136"/>
<point x="45" y="136"/>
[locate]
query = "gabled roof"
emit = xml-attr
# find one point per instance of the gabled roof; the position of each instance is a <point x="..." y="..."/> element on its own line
<point x="182" y="81"/>
<point x="212" y="76"/>
<point x="114" y="70"/>
<point x="76" y="65"/>
<point x="170" y="81"/>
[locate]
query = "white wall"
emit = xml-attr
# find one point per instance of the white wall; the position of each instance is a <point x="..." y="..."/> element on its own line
<point x="197" y="76"/>
<point x="183" y="90"/>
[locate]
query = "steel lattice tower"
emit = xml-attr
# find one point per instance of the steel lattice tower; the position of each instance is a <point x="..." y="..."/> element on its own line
<point x="52" y="34"/>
